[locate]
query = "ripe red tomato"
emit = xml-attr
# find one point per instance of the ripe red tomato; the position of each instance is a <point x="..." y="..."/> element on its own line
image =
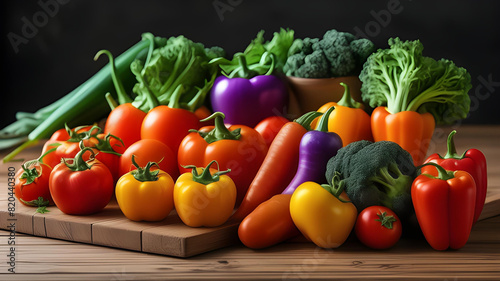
<point x="149" y="150"/>
<point x="378" y="227"/>
<point x="84" y="189"/>
<point x="169" y="125"/>
<point x="125" y="122"/>
<point x="269" y="127"/>
<point x="32" y="182"/>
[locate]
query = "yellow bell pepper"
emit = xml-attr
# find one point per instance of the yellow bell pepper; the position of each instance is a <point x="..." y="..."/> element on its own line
<point x="204" y="199"/>
<point x="322" y="214"/>
<point x="145" y="195"/>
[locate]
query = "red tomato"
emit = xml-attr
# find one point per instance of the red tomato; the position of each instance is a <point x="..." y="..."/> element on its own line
<point x="169" y="125"/>
<point x="63" y="135"/>
<point x="270" y="126"/>
<point x="83" y="191"/>
<point x="106" y="148"/>
<point x="51" y="158"/>
<point x="149" y="150"/>
<point x="125" y="122"/>
<point x="32" y="182"/>
<point x="378" y="227"/>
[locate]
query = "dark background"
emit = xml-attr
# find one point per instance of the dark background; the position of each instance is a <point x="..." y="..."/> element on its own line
<point x="59" y="55"/>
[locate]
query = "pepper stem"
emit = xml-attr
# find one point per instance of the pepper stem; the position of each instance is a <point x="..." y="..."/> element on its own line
<point x="306" y="119"/>
<point x="323" y="122"/>
<point x="451" y="152"/>
<point x="143" y="174"/>
<point x="220" y="131"/>
<point x="346" y="99"/>
<point x="336" y="188"/>
<point x="244" y="71"/>
<point x="443" y="174"/>
<point x="206" y="177"/>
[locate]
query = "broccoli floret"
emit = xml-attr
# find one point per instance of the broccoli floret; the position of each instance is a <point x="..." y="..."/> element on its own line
<point x="362" y="49"/>
<point x="293" y="63"/>
<point x="379" y="173"/>
<point x="315" y="66"/>
<point x="343" y="57"/>
<point x="308" y="45"/>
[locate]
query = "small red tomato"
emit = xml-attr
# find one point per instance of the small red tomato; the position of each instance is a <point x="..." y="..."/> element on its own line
<point x="270" y="126"/>
<point x="32" y="182"/>
<point x="149" y="150"/>
<point x="81" y="187"/>
<point x="125" y="122"/>
<point x="378" y="227"/>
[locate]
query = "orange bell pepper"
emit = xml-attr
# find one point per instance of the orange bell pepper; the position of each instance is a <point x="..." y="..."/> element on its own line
<point x="348" y="120"/>
<point x="411" y="130"/>
<point x="239" y="148"/>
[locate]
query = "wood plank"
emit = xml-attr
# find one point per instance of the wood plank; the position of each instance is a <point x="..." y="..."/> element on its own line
<point x="179" y="240"/>
<point x="124" y="233"/>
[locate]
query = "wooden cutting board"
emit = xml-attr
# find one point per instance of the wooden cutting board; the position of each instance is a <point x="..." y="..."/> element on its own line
<point x="170" y="236"/>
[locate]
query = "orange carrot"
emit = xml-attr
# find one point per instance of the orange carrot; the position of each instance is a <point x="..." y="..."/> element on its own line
<point x="279" y="166"/>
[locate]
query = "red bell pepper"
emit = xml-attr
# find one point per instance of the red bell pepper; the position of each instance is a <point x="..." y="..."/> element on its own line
<point x="472" y="161"/>
<point x="444" y="204"/>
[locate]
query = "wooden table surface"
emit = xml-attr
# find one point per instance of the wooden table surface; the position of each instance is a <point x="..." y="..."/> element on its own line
<point x="39" y="258"/>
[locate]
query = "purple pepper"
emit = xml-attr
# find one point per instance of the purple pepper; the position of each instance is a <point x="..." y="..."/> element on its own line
<point x="316" y="148"/>
<point x="248" y="99"/>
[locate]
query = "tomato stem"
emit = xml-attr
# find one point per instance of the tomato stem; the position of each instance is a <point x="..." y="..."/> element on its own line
<point x="78" y="163"/>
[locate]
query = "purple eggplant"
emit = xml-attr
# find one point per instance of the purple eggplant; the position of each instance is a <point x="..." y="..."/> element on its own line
<point x="249" y="98"/>
<point x="316" y="148"/>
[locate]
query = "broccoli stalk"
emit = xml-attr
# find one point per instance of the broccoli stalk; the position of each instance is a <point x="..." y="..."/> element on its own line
<point x="392" y="183"/>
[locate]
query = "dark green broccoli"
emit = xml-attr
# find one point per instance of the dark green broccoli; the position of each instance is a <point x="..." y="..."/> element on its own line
<point x="341" y="53"/>
<point x="378" y="173"/>
<point x="311" y="66"/>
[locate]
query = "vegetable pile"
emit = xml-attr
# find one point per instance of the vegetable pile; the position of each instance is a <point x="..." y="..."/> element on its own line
<point x="192" y="130"/>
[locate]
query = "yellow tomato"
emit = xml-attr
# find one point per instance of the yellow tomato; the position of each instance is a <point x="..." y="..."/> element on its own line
<point x="320" y="216"/>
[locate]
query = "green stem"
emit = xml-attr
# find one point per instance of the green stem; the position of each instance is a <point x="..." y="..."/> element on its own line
<point x="120" y="90"/>
<point x="346" y="99"/>
<point x="336" y="188"/>
<point x="323" y="122"/>
<point x="220" y="131"/>
<point x="175" y="97"/>
<point x="443" y="174"/>
<point x="244" y="72"/>
<point x="111" y="101"/>
<point x="143" y="174"/>
<point x="306" y="119"/>
<point x="451" y="152"/>
<point x="78" y="163"/>
<point x="206" y="177"/>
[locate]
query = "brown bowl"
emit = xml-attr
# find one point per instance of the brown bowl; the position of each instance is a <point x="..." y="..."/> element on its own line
<point x="309" y="94"/>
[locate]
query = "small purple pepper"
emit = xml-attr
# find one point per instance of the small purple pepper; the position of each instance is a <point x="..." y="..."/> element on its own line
<point x="316" y="148"/>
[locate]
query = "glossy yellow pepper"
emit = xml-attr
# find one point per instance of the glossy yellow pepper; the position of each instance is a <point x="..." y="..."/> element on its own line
<point x="322" y="214"/>
<point x="204" y="199"/>
<point x="145" y="195"/>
